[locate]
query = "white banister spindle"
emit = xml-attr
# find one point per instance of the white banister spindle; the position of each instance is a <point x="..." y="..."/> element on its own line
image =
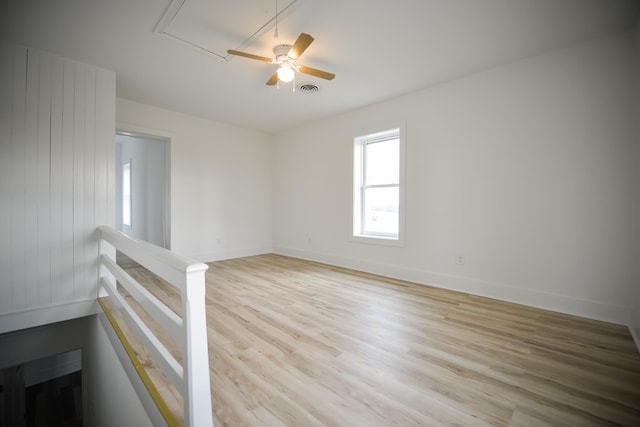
<point x="195" y="363"/>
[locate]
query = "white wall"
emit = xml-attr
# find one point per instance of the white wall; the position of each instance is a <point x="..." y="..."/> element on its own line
<point x="221" y="182"/>
<point x="526" y="169"/>
<point x="57" y="120"/>
<point x="111" y="397"/>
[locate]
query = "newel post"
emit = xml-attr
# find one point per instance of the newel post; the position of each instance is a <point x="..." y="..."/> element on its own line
<point x="195" y="353"/>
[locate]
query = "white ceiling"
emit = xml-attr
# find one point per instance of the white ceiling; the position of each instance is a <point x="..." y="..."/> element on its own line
<point x="378" y="49"/>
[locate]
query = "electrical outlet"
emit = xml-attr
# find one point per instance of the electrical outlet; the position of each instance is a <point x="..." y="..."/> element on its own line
<point x="460" y="260"/>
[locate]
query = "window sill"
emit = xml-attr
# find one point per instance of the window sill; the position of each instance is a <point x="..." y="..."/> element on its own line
<point x="378" y="240"/>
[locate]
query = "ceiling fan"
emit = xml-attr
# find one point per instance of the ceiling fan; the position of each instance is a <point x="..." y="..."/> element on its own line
<point x="286" y="56"/>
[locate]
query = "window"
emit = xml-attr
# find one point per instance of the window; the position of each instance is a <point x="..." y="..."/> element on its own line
<point x="126" y="194"/>
<point x="377" y="191"/>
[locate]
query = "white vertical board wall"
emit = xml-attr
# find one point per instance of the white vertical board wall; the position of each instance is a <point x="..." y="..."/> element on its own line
<point x="57" y="130"/>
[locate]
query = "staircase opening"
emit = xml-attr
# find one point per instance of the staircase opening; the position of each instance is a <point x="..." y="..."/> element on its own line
<point x="43" y="392"/>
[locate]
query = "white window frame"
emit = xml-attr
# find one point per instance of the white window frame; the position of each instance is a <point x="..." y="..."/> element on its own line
<point x="359" y="141"/>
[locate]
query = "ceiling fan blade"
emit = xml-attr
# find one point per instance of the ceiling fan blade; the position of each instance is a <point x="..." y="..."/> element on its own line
<point x="318" y="73"/>
<point x="273" y="79"/>
<point x="250" y="56"/>
<point x="302" y="43"/>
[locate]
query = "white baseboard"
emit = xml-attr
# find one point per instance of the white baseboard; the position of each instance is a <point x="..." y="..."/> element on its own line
<point x="48" y="314"/>
<point x="232" y="253"/>
<point x="533" y="298"/>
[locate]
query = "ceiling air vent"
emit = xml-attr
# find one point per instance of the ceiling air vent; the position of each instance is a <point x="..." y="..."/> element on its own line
<point x="308" y="88"/>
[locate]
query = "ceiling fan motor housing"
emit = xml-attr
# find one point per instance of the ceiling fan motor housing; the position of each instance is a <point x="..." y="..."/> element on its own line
<point x="281" y="52"/>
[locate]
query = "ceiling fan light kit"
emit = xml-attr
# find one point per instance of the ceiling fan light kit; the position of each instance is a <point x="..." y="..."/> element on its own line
<point x="285" y="56"/>
<point x="285" y="73"/>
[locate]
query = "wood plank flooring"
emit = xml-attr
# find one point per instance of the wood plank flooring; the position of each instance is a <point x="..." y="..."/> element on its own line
<point x="297" y="343"/>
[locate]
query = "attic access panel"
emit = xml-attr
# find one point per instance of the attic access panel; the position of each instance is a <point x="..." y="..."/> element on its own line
<point x="213" y="26"/>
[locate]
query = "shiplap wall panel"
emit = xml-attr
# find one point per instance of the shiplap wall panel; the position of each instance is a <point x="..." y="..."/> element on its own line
<point x="78" y="181"/>
<point x="31" y="179"/>
<point x="6" y="72"/>
<point x="57" y="81"/>
<point x="44" y="175"/>
<point x="18" y="246"/>
<point x="91" y="244"/>
<point x="105" y="150"/>
<point x="106" y="109"/>
<point x="101" y="164"/>
<point x="57" y="132"/>
<point x="67" y="180"/>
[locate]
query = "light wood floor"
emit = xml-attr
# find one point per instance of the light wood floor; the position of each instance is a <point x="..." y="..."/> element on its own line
<point x="296" y="343"/>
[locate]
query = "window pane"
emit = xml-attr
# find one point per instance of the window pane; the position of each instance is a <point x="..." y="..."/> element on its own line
<point x="381" y="211"/>
<point x="382" y="162"/>
<point x="126" y="194"/>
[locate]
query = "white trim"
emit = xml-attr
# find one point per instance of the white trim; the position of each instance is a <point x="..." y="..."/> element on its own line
<point x="165" y="138"/>
<point x="377" y="240"/>
<point x="132" y="129"/>
<point x="357" y="138"/>
<point x="162" y="28"/>
<point x="168" y="16"/>
<point x="126" y="185"/>
<point x="232" y="253"/>
<point x="554" y="302"/>
<point x="44" y="315"/>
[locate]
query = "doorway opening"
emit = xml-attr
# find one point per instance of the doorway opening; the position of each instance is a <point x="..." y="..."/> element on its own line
<point x="143" y="202"/>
